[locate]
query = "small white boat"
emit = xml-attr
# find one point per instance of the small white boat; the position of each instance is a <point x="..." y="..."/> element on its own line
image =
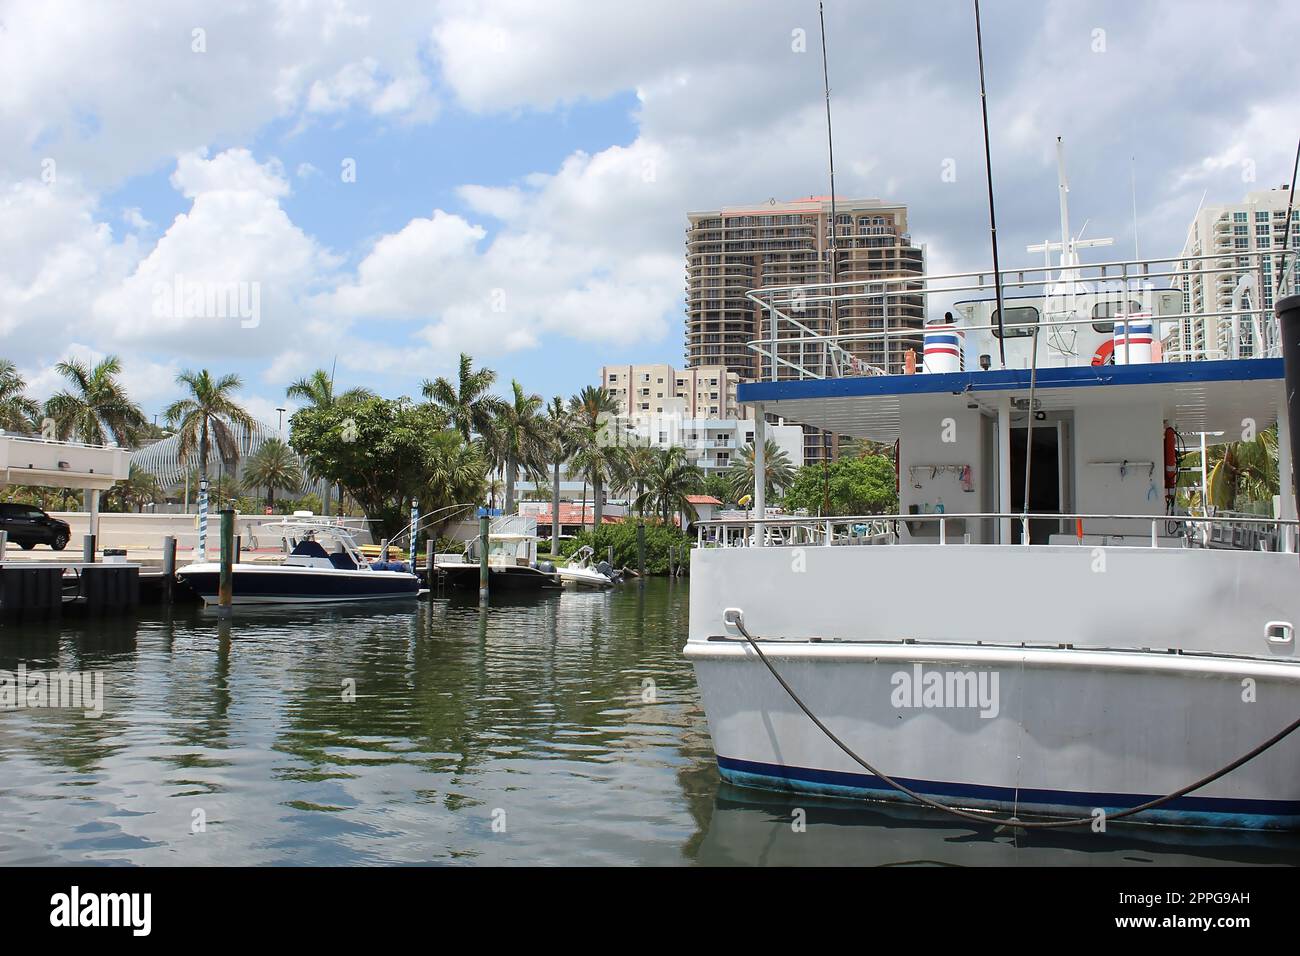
<point x="579" y="573"/>
<point x="309" y="574"/>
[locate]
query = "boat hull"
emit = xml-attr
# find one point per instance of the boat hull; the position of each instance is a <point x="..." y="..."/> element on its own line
<point x="253" y="584"/>
<point x="1067" y="733"/>
<point x="505" y="579"/>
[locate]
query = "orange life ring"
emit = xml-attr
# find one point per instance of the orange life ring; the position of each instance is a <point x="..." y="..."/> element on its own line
<point x="1105" y="353"/>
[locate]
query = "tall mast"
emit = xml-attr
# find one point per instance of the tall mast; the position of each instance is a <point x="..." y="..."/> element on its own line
<point x="988" y="172"/>
<point x="830" y="153"/>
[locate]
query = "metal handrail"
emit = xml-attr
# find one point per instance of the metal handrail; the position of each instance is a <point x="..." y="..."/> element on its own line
<point x="828" y="349"/>
<point x="825" y="526"/>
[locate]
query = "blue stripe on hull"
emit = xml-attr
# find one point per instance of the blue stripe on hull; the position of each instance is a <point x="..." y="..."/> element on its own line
<point x="318" y="587"/>
<point x="1226" y="812"/>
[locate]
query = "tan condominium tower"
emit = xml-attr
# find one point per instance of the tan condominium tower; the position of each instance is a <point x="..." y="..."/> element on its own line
<point x="644" y="390"/>
<point x="732" y="250"/>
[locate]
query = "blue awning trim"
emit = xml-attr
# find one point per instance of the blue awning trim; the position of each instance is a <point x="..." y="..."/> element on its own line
<point x="1171" y="373"/>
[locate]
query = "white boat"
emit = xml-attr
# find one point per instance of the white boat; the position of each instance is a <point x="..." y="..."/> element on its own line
<point x="1076" y="652"/>
<point x="321" y="564"/>
<point x="512" y="559"/>
<point x="579" y="572"/>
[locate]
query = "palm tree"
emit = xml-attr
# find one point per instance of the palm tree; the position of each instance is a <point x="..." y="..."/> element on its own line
<point x="456" y="472"/>
<point x="521" y="436"/>
<point x="317" y="390"/>
<point x="561" y="446"/>
<point x="467" y="404"/>
<point x="780" y="474"/>
<point x="17" y="411"/>
<point x="96" y="407"/>
<point x="669" y="485"/>
<point x="273" y="466"/>
<point x="640" y="464"/>
<point x="595" y="457"/>
<point x="1245" y="470"/>
<point x="208" y="414"/>
<point x="138" y="489"/>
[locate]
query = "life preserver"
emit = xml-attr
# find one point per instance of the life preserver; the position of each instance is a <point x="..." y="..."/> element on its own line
<point x="1105" y="353"/>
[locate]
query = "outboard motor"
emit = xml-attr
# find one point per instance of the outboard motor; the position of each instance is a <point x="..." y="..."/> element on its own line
<point x="1288" y="320"/>
<point x="547" y="566"/>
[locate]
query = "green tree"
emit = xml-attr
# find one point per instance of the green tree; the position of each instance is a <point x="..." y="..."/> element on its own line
<point x="456" y="475"/>
<point x="669" y="484"/>
<point x="208" y="415"/>
<point x="561" y="447"/>
<point x="317" y="390"/>
<point x="138" y="489"/>
<point x="718" y="487"/>
<point x="640" y="464"/>
<point x="383" y="452"/>
<point x="274" y="467"/>
<point x="1244" y="471"/>
<point x="96" y="406"/>
<point x="596" y="457"/>
<point x="466" y="403"/>
<point x="779" y="471"/>
<point x="521" y="436"/>
<point x="857" y="486"/>
<point x="17" y="411"/>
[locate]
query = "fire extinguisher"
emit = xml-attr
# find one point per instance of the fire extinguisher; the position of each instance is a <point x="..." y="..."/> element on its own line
<point x="1171" y="464"/>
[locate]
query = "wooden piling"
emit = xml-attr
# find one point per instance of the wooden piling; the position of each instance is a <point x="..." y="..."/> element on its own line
<point x="640" y="553"/>
<point x="169" y="570"/>
<point x="225" y="588"/>
<point x="428" y="563"/>
<point x="484" y="533"/>
<point x="88" y="549"/>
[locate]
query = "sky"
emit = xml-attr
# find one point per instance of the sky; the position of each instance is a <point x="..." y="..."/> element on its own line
<point x="380" y="186"/>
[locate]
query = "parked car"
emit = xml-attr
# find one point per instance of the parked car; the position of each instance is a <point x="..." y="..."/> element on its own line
<point x="29" y="526"/>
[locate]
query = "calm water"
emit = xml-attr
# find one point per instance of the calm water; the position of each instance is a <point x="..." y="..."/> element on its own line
<point x="533" y="716"/>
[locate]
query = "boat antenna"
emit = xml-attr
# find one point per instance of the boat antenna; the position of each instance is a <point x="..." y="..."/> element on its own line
<point x="1132" y="178"/>
<point x="830" y="153"/>
<point x="988" y="172"/>
<point x="1286" y="230"/>
<point x="834" y="256"/>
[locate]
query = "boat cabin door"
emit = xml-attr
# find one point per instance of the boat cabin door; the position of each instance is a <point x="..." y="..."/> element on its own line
<point x="1049" y="477"/>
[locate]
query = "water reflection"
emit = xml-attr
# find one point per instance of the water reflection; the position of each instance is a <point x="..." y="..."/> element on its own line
<point x="562" y="728"/>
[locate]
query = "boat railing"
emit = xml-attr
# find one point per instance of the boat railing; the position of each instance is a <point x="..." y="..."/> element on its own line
<point x="797" y="342"/>
<point x="1227" y="532"/>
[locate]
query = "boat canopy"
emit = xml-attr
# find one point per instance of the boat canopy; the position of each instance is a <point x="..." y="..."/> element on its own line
<point x="1212" y="396"/>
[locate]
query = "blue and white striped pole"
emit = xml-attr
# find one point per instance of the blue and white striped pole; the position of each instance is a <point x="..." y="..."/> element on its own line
<point x="415" y="530"/>
<point x="203" y="519"/>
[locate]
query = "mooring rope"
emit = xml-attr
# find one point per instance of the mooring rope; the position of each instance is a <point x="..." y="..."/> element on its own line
<point x="1011" y="821"/>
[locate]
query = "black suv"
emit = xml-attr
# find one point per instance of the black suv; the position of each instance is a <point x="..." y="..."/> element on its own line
<point x="29" y="526"/>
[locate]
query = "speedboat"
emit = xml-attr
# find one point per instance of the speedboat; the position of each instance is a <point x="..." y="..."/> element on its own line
<point x="1044" y="629"/>
<point x="321" y="564"/>
<point x="511" y="559"/>
<point x="579" y="572"/>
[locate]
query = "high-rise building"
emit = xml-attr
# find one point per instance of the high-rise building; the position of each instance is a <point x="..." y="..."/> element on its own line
<point x="1245" y="235"/>
<point x="733" y="250"/>
<point x="708" y="391"/>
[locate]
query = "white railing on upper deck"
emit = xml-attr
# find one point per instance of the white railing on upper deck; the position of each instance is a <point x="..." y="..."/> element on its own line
<point x="791" y="345"/>
<point x="1229" y="532"/>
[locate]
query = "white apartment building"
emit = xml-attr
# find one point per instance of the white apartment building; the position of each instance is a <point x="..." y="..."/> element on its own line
<point x="1247" y="235"/>
<point x="708" y="391"/>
